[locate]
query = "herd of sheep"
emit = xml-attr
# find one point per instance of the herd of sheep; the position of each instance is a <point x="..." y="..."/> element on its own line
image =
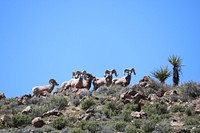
<point x="82" y="79"/>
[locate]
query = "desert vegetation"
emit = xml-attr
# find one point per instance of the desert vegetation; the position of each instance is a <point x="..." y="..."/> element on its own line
<point x="149" y="106"/>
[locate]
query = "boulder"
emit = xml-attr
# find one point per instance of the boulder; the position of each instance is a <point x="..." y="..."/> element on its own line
<point x="38" y="122"/>
<point x="136" y="114"/>
<point x="27" y="110"/>
<point x="54" y="112"/>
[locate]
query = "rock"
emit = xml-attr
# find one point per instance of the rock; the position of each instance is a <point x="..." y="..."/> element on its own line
<point x="176" y="124"/>
<point x="171" y="92"/>
<point x="38" y="122"/>
<point x="153" y="98"/>
<point x="130" y="96"/>
<point x="27" y="110"/>
<point x="136" y="114"/>
<point x="52" y="112"/>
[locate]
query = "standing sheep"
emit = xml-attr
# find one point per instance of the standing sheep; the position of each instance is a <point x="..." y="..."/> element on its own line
<point x="38" y="90"/>
<point x="124" y="81"/>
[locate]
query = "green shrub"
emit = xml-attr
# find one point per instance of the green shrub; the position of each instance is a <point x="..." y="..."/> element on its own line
<point x="192" y="120"/>
<point x="149" y="126"/>
<point x="196" y="130"/>
<point x="92" y="126"/>
<point x="86" y="104"/>
<point x="133" y="129"/>
<point x="163" y="127"/>
<point x="76" y="130"/>
<point x="47" y="128"/>
<point x="37" y="111"/>
<point x="190" y="89"/>
<point x="110" y="109"/>
<point x="178" y="108"/>
<point x="21" y="120"/>
<point x="60" y="123"/>
<point x="120" y="126"/>
<point x="126" y="116"/>
<point x="156" y="108"/>
<point x="188" y="111"/>
<point x="58" y="102"/>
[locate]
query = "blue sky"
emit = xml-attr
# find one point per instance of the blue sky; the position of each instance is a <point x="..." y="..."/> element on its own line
<point x="44" y="39"/>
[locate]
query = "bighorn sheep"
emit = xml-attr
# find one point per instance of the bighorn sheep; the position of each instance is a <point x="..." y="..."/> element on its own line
<point x="124" y="81"/>
<point x="38" y="90"/>
<point x="2" y="96"/>
<point x="88" y="80"/>
<point x="106" y="80"/>
<point x="77" y="82"/>
<point x="77" y="74"/>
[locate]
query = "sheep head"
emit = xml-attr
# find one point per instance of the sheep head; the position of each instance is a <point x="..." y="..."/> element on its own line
<point x="53" y="81"/>
<point x="106" y="72"/>
<point x="129" y="71"/>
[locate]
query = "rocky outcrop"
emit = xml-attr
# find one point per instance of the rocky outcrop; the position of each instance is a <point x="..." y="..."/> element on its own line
<point x="27" y="110"/>
<point x="38" y="122"/>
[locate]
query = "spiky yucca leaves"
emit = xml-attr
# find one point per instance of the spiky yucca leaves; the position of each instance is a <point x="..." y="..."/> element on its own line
<point x="176" y="62"/>
<point x="162" y="74"/>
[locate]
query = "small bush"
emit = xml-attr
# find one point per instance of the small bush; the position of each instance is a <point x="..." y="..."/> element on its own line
<point x="87" y="104"/>
<point x="156" y="108"/>
<point x="21" y="120"/>
<point x="120" y="126"/>
<point x="190" y="90"/>
<point x="110" y="109"/>
<point x="177" y="108"/>
<point x="188" y="111"/>
<point x="37" y="111"/>
<point x="149" y="126"/>
<point x="76" y="130"/>
<point x="196" y="130"/>
<point x="47" y="128"/>
<point x="163" y="127"/>
<point x="60" y="123"/>
<point x="192" y="120"/>
<point x="92" y="126"/>
<point x="58" y="102"/>
<point x="126" y="116"/>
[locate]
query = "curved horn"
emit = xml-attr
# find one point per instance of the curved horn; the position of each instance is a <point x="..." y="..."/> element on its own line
<point x="133" y="70"/>
<point x="53" y="81"/>
<point x="106" y="72"/>
<point x="126" y="70"/>
<point x="73" y="74"/>
<point x="115" y="72"/>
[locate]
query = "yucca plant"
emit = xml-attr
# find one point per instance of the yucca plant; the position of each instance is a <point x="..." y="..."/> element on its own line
<point x="162" y="74"/>
<point x="176" y="62"/>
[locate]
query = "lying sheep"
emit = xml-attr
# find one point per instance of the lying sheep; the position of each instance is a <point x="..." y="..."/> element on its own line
<point x="124" y="81"/>
<point x="38" y="90"/>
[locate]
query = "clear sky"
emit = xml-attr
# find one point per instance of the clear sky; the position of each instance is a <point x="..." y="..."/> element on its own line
<point x="43" y="39"/>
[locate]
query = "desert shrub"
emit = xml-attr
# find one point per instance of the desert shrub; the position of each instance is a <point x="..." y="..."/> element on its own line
<point x="76" y="130"/>
<point x="192" y="120"/>
<point x="177" y="108"/>
<point x="126" y="116"/>
<point x="36" y="101"/>
<point x="60" y="123"/>
<point x="189" y="111"/>
<point x="120" y="126"/>
<point x="132" y="107"/>
<point x="58" y="102"/>
<point x="156" y="108"/>
<point x="196" y="130"/>
<point x="91" y="126"/>
<point x="190" y="90"/>
<point x="163" y="127"/>
<point x="133" y="129"/>
<point x="37" y="111"/>
<point x="148" y="126"/>
<point x="47" y="128"/>
<point x="21" y="120"/>
<point x="76" y="101"/>
<point x="86" y="104"/>
<point x="110" y="109"/>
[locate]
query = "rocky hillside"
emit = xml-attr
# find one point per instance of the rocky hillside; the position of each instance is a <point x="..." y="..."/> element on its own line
<point x="145" y="107"/>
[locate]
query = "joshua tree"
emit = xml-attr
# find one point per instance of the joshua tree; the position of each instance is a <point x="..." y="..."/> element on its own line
<point x="176" y="62"/>
<point x="162" y="74"/>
